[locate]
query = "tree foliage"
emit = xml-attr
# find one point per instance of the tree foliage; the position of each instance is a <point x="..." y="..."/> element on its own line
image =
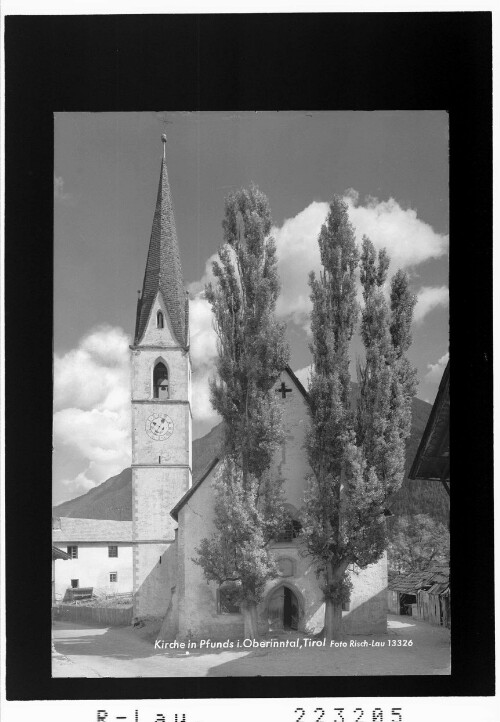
<point x="417" y="543"/>
<point x="356" y="454"/>
<point x="252" y="352"/>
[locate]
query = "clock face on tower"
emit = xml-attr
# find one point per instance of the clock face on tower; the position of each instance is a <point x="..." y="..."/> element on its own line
<point x="159" y="426"/>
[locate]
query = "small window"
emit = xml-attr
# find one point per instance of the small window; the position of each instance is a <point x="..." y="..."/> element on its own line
<point x="290" y="531"/>
<point x="112" y="550"/>
<point x="346" y="606"/>
<point x="75" y="584"/>
<point x="159" y="320"/>
<point x="227" y="600"/>
<point x="73" y="552"/>
<point x="113" y="576"/>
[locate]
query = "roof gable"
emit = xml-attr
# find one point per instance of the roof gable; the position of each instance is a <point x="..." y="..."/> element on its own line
<point x="216" y="459"/>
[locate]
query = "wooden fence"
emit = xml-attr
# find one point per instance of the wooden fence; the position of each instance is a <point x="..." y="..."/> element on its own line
<point x="103" y="616"/>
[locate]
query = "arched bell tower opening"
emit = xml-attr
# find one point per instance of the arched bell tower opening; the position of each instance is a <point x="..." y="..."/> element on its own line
<point x="160" y="381"/>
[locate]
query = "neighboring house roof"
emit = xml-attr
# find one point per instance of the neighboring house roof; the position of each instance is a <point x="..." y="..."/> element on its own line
<point x="163" y="268"/>
<point x="59" y="554"/>
<point x="411" y="583"/>
<point x="439" y="588"/>
<point x="213" y="463"/>
<point x="92" y="530"/>
<point x="432" y="460"/>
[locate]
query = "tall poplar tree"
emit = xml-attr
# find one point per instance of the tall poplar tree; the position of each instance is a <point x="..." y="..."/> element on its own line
<point x="355" y="450"/>
<point x="252" y="352"/>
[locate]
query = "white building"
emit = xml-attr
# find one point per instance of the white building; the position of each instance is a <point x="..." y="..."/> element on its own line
<point x="100" y="552"/>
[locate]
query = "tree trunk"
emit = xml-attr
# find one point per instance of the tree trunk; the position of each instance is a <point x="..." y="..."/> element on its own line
<point x="333" y="620"/>
<point x="250" y="620"/>
<point x="333" y="610"/>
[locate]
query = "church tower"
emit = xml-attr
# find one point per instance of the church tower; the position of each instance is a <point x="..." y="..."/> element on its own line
<point x="161" y="409"/>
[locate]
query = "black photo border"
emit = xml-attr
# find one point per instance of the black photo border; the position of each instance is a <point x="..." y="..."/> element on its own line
<point x="338" y="61"/>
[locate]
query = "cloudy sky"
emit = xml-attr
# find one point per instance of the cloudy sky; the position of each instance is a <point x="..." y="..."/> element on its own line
<point x="391" y="167"/>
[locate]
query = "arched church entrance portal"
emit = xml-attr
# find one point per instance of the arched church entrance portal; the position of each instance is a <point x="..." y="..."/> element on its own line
<point x="283" y="610"/>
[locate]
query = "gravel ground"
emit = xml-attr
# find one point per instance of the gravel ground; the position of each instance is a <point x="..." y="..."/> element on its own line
<point x="84" y="651"/>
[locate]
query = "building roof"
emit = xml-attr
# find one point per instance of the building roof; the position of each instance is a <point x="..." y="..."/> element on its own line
<point x="92" y="530"/>
<point x="439" y="588"/>
<point x="411" y="583"/>
<point x="197" y="481"/>
<point x="432" y="460"/>
<point x="163" y="268"/>
<point x="59" y="553"/>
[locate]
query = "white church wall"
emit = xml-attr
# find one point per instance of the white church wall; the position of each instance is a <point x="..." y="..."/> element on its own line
<point x="174" y="449"/>
<point x="160" y="489"/>
<point x="368" y="604"/>
<point x="155" y="572"/>
<point x="291" y="460"/>
<point x="198" y="617"/>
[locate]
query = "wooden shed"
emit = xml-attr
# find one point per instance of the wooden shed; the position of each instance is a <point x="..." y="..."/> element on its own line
<point x="427" y="592"/>
<point x="433" y="604"/>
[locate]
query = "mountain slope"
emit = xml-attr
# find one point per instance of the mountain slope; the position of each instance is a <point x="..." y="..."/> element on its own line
<point x="110" y="500"/>
<point x="113" y="498"/>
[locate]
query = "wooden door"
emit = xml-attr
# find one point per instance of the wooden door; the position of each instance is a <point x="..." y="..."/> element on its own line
<point x="295" y="611"/>
<point x="276" y="604"/>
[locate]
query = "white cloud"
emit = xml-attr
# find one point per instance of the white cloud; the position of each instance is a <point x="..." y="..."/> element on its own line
<point x="79" y="485"/>
<point x="96" y="373"/>
<point x="428" y="298"/>
<point x="203" y="352"/>
<point x="436" y="370"/>
<point x="198" y="287"/>
<point x="303" y="376"/>
<point x="203" y="346"/>
<point x="202" y="408"/>
<point x="408" y="240"/>
<point x="298" y="254"/>
<point x="92" y="406"/>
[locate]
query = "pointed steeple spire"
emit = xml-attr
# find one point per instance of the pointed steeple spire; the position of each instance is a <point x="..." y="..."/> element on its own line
<point x="163" y="266"/>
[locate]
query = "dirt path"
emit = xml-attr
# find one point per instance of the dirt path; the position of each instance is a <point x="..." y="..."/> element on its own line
<point x="84" y="651"/>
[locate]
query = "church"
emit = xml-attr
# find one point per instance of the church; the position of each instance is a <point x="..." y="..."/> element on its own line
<point x="172" y="511"/>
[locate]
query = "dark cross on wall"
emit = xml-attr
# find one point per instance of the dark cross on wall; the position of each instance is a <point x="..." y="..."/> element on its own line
<point x="283" y="390"/>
